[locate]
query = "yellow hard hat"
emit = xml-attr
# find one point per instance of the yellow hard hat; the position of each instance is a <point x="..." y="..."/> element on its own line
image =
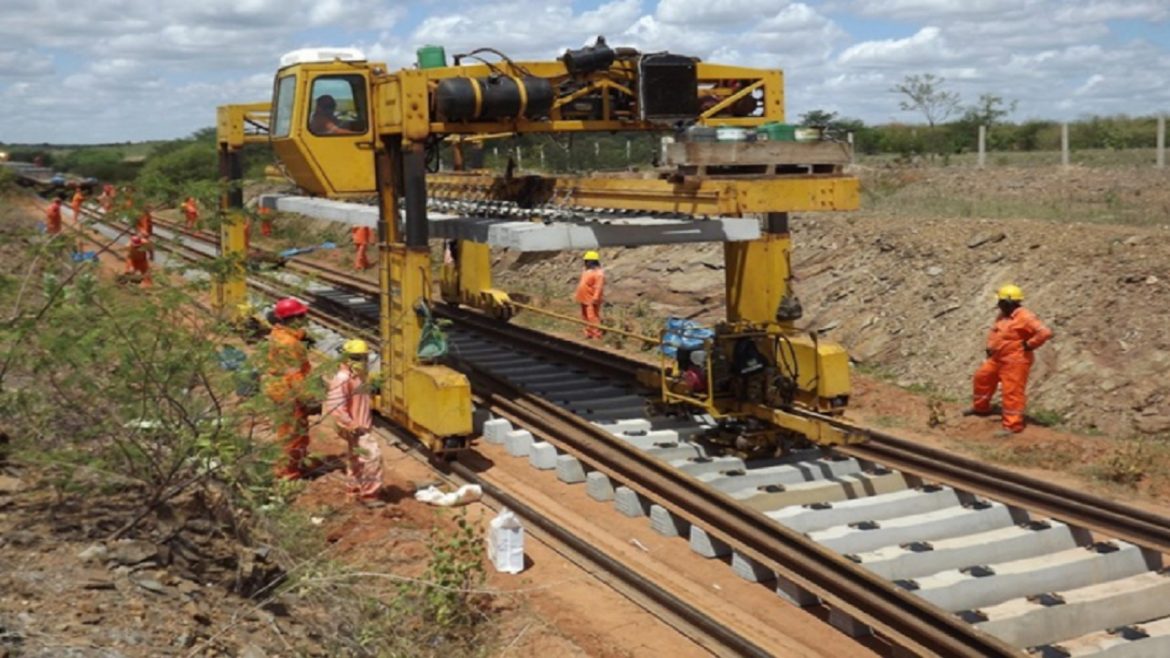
<point x="355" y="347"/>
<point x="1011" y="293"/>
<point x="592" y="255"/>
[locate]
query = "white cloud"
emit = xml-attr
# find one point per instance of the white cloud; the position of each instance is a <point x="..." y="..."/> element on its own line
<point x="1093" y="81"/>
<point x="716" y="12"/>
<point x="926" y="45"/>
<point x="526" y="29"/>
<point x="932" y="9"/>
<point x="26" y="63"/>
<point x="1094" y="12"/>
<point x="113" y="70"/>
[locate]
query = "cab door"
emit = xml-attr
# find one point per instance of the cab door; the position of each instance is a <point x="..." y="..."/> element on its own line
<point x="336" y="131"/>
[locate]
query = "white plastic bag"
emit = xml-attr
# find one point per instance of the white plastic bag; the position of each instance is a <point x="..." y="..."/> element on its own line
<point x="505" y="542"/>
<point x="468" y="493"/>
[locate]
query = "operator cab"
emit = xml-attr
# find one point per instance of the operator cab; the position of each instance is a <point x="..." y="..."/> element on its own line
<point x="321" y="120"/>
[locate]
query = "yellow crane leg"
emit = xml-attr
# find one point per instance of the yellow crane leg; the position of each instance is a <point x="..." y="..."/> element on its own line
<point x="469" y="281"/>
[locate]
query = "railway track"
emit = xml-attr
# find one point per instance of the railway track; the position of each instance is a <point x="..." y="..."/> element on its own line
<point x="936" y="553"/>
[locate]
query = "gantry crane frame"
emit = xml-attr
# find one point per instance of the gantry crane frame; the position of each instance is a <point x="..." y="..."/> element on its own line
<point x="432" y="400"/>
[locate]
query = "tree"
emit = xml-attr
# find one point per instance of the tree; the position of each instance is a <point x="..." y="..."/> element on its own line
<point x="925" y="94"/>
<point x="165" y="177"/>
<point x="101" y="163"/>
<point x="818" y="118"/>
<point x="989" y="110"/>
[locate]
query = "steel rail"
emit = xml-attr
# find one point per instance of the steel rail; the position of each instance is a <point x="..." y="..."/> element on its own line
<point x="692" y="616"/>
<point x="898" y="616"/>
<point x="1111" y="518"/>
<point x="895" y="614"/>
<point x="1072" y="506"/>
<point x="702" y="629"/>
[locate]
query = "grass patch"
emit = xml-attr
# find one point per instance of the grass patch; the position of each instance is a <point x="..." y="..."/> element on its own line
<point x="1135" y="157"/>
<point x="1047" y="417"/>
<point x="1045" y="456"/>
<point x="1132" y="461"/>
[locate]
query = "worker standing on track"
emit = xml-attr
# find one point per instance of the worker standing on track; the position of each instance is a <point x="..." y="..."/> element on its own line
<point x="138" y="256"/>
<point x="146" y="223"/>
<point x="75" y="204"/>
<point x="363" y="236"/>
<point x="285" y="385"/>
<point x="265" y="221"/>
<point x="349" y="404"/>
<point x="590" y="294"/>
<point x="53" y="217"/>
<point x="191" y="213"/>
<point x="1015" y="336"/>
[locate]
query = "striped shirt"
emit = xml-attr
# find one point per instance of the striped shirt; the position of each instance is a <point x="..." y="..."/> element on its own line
<point x="349" y="401"/>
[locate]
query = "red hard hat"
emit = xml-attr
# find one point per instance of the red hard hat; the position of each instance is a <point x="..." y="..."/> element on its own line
<point x="289" y="307"/>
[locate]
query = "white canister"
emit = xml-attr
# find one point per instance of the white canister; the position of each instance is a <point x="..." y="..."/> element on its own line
<point x="505" y="542"/>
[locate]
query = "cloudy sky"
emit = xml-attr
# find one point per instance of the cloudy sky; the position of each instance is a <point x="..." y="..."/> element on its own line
<point x="126" y="70"/>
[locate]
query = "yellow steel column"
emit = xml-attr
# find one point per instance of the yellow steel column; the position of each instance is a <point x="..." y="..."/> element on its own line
<point x="388" y="163"/>
<point x="230" y="289"/>
<point x="756" y="277"/>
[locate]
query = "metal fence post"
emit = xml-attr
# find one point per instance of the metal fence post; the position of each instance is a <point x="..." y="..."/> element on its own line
<point x="1064" y="144"/>
<point x="1162" y="141"/>
<point x="982" y="145"/>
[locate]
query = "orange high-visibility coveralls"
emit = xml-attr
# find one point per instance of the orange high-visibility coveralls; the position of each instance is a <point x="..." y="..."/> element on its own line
<point x="191" y="212"/>
<point x="146" y="224"/>
<point x="363" y="237"/>
<point x="75" y="204"/>
<point x="53" y="217"/>
<point x="288" y="368"/>
<point x="590" y="292"/>
<point x="265" y="221"/>
<point x="138" y="260"/>
<point x="349" y="404"/>
<point x="1008" y="363"/>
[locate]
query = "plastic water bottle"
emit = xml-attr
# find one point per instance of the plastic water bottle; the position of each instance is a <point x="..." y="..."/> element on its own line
<point x="505" y="545"/>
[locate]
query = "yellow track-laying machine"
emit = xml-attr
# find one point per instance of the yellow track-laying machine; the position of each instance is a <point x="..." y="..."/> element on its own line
<point x="768" y="378"/>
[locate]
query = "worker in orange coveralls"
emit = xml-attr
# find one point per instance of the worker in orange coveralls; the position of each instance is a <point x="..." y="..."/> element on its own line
<point x="285" y="385"/>
<point x="363" y="237"/>
<point x="1011" y="345"/>
<point x="53" y="217"/>
<point x="127" y="194"/>
<point x="265" y="221"/>
<point x="146" y="223"/>
<point x="191" y="212"/>
<point x="349" y="404"/>
<point x="138" y="259"/>
<point x="590" y="294"/>
<point x="75" y="204"/>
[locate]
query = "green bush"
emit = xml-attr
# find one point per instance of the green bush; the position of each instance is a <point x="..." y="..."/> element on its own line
<point x="102" y="163"/>
<point x="165" y="177"/>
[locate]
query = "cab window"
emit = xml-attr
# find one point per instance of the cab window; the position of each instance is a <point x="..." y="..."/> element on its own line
<point x="338" y="105"/>
<point x="285" y="91"/>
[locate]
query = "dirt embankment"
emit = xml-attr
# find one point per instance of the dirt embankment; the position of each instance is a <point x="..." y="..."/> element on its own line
<point x="911" y="294"/>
